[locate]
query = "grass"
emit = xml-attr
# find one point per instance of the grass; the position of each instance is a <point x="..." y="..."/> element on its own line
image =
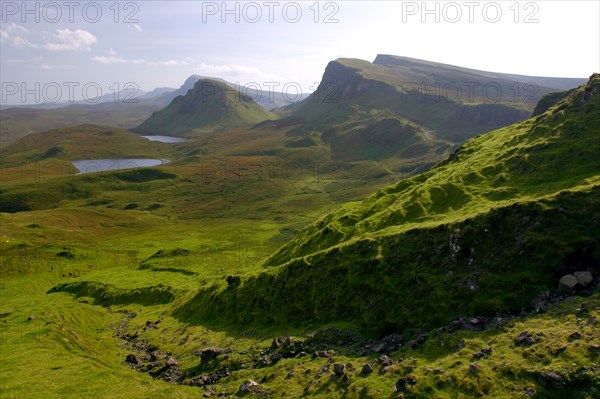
<point x="210" y="105"/>
<point x="81" y="264"/>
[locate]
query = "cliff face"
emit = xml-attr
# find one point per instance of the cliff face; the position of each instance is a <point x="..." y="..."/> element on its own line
<point x="489" y="115"/>
<point x="342" y="83"/>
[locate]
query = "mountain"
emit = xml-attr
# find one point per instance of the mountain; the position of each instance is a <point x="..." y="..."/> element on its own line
<point x="209" y="105"/>
<point x="269" y="100"/>
<point x="452" y="103"/>
<point x="440" y="72"/>
<point x="483" y="233"/>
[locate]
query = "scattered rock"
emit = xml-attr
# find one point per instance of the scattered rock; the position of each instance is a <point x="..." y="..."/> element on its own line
<point x="473" y="368"/>
<point x="567" y="283"/>
<point x="594" y="349"/>
<point x="291" y="373"/>
<point x="530" y="392"/>
<point x="132" y="359"/>
<point x="339" y="369"/>
<point x="528" y="339"/>
<point x="582" y="309"/>
<point x="560" y="350"/>
<point x="583" y="278"/>
<point x="233" y="281"/>
<point x="210" y="353"/>
<point x="551" y="380"/>
<point x="31" y="318"/>
<point x="591" y="320"/>
<point x="483" y="353"/>
<point x="403" y="383"/>
<point x="171" y="361"/>
<point x="384" y="360"/>
<point x="576" y="335"/>
<point x="366" y="369"/>
<point x="252" y="387"/>
<point x="460" y="345"/>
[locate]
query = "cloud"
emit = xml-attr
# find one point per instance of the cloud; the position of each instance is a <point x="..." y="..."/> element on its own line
<point x="15" y="35"/>
<point x="114" y="58"/>
<point x="137" y="27"/>
<point x="237" y="72"/>
<point x="174" y="62"/>
<point x="59" y="66"/>
<point x="110" y="59"/>
<point x="67" y="39"/>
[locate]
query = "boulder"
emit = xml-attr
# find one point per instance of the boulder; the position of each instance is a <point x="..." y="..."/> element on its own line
<point x="551" y="380"/>
<point x="583" y="278"/>
<point x="366" y="369"/>
<point x="339" y="369"/>
<point x="567" y="283"/>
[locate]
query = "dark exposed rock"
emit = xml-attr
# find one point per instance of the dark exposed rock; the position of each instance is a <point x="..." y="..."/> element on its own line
<point x="252" y="387"/>
<point x="233" y="281"/>
<point x="575" y="336"/>
<point x="551" y="380"/>
<point x="483" y="353"/>
<point x="594" y="349"/>
<point x="560" y="350"/>
<point x="132" y="359"/>
<point x="384" y="360"/>
<point x="339" y="369"/>
<point x="528" y="339"/>
<point x="366" y="369"/>
<point x="473" y="368"/>
<point x="460" y="345"/>
<point x="403" y="383"/>
<point x="210" y="353"/>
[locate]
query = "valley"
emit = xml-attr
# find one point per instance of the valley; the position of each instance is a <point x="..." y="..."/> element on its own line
<point x="372" y="240"/>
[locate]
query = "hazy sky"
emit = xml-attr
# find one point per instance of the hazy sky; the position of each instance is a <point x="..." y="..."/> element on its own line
<point x="160" y="43"/>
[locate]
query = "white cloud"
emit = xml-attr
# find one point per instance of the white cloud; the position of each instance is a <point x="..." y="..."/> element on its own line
<point x="48" y="66"/>
<point x="234" y="72"/>
<point x="110" y="59"/>
<point x="67" y="39"/>
<point x="174" y="62"/>
<point x="138" y="28"/>
<point x="14" y="34"/>
<point x="114" y="58"/>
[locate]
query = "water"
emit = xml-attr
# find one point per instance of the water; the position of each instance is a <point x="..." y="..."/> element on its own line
<point x="165" y="139"/>
<point x="103" y="165"/>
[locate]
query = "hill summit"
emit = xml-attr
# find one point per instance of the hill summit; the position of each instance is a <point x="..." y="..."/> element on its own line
<point x="209" y="106"/>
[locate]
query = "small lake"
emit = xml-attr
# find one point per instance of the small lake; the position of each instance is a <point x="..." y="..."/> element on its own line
<point x="165" y="139"/>
<point x="102" y="165"/>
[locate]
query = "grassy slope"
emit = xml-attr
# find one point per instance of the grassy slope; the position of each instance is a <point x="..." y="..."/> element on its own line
<point x="231" y="226"/>
<point x="210" y="105"/>
<point x="18" y="122"/>
<point x="81" y="142"/>
<point x="437" y="234"/>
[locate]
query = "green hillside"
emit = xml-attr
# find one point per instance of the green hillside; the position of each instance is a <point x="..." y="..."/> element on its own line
<point x="209" y="106"/>
<point x="485" y="231"/>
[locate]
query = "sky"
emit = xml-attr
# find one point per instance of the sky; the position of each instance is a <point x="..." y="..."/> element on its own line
<point x="66" y="50"/>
